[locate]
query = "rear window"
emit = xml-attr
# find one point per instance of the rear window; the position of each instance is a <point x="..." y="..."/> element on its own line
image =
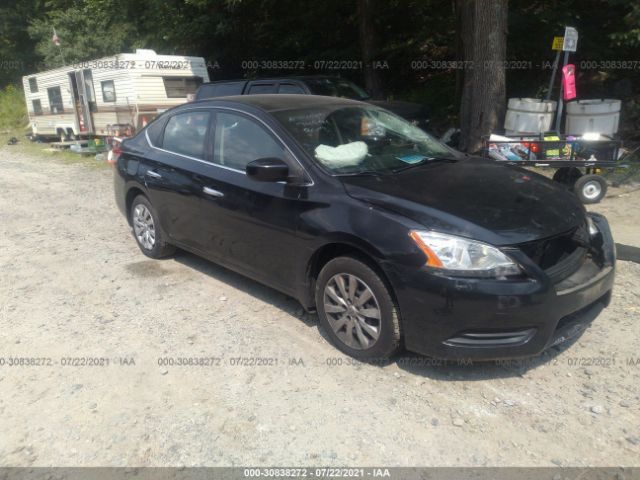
<point x="262" y="88"/>
<point x="219" y="90"/>
<point x="289" y="88"/>
<point x="180" y="87"/>
<point x="186" y="134"/>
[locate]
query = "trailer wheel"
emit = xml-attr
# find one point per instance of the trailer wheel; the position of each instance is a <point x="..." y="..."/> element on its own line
<point x="567" y="176"/>
<point x="590" y="188"/>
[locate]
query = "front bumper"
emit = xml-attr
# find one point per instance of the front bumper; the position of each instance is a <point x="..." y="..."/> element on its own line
<point x="462" y="318"/>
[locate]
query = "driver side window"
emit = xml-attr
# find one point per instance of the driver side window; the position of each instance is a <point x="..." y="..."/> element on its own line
<point x="239" y="140"/>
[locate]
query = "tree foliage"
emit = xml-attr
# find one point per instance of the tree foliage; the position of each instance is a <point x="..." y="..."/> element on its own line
<point x="229" y="33"/>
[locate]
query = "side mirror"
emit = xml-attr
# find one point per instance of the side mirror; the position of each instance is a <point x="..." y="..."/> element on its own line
<point x="268" y="170"/>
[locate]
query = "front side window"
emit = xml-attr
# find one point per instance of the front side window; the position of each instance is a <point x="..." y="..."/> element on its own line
<point x="33" y="84"/>
<point x="37" y="107"/>
<point x="108" y="91"/>
<point x="240" y="140"/>
<point x="180" y="87"/>
<point x="55" y="100"/>
<point x="186" y="134"/>
<point x="361" y="139"/>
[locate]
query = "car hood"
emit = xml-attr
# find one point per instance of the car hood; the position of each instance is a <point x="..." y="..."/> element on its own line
<point x="475" y="198"/>
<point x="407" y="110"/>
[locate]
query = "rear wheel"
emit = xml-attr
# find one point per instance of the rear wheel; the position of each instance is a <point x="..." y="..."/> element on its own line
<point x="146" y="229"/>
<point x="590" y="188"/>
<point x="356" y="309"/>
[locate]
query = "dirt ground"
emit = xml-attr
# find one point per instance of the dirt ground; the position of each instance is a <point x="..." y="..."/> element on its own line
<point x="75" y="286"/>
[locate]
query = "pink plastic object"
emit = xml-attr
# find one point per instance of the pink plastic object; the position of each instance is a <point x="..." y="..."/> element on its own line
<point x="569" y="82"/>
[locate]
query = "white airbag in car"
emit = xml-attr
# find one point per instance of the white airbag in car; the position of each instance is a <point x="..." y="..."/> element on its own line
<point x="343" y="155"/>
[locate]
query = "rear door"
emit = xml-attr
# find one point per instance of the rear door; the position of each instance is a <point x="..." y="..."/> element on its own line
<point x="172" y="174"/>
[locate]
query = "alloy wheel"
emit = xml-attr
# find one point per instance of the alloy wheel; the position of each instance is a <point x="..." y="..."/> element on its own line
<point x="144" y="227"/>
<point x="352" y="310"/>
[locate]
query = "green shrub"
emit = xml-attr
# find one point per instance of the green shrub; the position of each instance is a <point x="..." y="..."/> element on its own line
<point x="13" y="110"/>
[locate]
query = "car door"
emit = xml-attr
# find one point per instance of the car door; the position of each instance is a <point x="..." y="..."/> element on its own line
<point x="172" y="174"/>
<point x="255" y="226"/>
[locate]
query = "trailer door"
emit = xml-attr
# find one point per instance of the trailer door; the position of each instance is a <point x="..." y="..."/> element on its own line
<point x="84" y="99"/>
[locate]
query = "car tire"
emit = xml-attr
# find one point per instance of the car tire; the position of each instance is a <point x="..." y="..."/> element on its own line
<point x="590" y="188"/>
<point x="146" y="229"/>
<point x="350" y="320"/>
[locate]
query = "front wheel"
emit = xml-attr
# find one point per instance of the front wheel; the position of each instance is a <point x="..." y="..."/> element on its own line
<point x="356" y="310"/>
<point x="146" y="229"/>
<point x="590" y="188"/>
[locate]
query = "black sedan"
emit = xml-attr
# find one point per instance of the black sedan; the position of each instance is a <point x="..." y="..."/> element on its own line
<point x="393" y="238"/>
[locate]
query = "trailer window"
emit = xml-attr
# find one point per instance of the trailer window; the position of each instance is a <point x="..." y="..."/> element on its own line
<point x="33" y="84"/>
<point x="108" y="91"/>
<point x="55" y="100"/>
<point x="186" y="134"/>
<point x="180" y="87"/>
<point x="37" y="107"/>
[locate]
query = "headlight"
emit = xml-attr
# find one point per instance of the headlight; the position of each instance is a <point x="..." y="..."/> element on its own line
<point x="593" y="229"/>
<point x="463" y="257"/>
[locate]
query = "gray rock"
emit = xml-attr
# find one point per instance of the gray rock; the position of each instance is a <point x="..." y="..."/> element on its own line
<point x="458" y="422"/>
<point x="634" y="440"/>
<point x="597" y="409"/>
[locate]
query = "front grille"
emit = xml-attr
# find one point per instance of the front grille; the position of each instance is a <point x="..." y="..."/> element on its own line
<point x="559" y="256"/>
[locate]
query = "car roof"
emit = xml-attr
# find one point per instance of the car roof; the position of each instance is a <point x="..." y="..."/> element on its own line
<point x="273" y="102"/>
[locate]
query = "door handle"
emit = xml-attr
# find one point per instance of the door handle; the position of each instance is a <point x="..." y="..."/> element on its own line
<point x="153" y="174"/>
<point x="212" y="192"/>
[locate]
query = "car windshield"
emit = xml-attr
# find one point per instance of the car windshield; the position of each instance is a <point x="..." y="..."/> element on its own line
<point x="336" y="87"/>
<point x="356" y="140"/>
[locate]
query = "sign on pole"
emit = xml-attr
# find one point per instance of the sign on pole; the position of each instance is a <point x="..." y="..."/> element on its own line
<point x="570" y="43"/>
<point x="557" y="43"/>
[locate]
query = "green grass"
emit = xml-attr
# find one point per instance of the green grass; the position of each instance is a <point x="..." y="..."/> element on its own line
<point x="13" y="110"/>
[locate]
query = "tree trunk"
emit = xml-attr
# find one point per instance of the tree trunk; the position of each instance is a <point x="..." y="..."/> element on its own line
<point x="483" y="31"/>
<point x="368" y="47"/>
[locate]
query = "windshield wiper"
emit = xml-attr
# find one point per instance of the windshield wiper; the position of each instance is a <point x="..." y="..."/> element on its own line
<point x="374" y="173"/>
<point x="421" y="162"/>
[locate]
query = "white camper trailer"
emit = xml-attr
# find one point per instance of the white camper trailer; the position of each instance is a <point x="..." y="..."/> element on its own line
<point x="110" y="96"/>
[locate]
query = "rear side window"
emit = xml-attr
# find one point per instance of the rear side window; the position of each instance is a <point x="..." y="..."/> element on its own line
<point x="186" y="134"/>
<point x="262" y="88"/>
<point x="33" y="84"/>
<point x="180" y="87"/>
<point x="55" y="100"/>
<point x="37" y="107"/>
<point x="155" y="129"/>
<point x="289" y="88"/>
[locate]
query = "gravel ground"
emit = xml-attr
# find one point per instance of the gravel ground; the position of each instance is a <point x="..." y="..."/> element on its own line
<point x="75" y="285"/>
